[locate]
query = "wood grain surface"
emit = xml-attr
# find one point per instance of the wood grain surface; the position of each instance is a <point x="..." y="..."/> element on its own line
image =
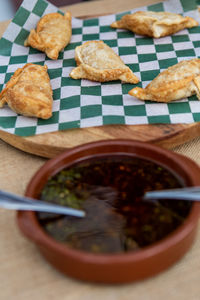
<point x="50" y="144"/>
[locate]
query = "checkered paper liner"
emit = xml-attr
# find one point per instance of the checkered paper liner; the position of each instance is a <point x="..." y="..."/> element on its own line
<point x="83" y="103"/>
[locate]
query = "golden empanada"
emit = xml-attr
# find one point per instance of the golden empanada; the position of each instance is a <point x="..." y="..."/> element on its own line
<point x="154" y="24"/>
<point x="29" y="92"/>
<point x="52" y="34"/>
<point x="98" y="62"/>
<point x="179" y="81"/>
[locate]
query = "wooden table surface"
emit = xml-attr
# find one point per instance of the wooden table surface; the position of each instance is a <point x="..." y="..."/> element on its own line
<point x="24" y="274"/>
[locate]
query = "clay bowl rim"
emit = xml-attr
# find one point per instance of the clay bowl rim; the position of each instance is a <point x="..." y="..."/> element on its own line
<point x="38" y="235"/>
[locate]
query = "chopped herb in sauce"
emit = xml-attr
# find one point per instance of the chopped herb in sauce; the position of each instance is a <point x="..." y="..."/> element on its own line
<point x="110" y="191"/>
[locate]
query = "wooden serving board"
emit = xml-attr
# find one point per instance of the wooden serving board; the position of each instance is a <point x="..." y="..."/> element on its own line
<point x="50" y="144"/>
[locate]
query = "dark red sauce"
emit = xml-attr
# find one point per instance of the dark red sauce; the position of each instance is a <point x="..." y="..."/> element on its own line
<point x="110" y="190"/>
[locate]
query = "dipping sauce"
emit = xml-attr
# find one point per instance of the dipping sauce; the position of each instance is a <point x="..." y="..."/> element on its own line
<point x="110" y="191"/>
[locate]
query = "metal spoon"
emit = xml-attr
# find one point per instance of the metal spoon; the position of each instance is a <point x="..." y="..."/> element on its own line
<point x="12" y="201"/>
<point x="189" y="194"/>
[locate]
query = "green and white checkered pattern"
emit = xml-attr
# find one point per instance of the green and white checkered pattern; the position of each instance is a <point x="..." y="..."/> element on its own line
<point x="82" y="103"/>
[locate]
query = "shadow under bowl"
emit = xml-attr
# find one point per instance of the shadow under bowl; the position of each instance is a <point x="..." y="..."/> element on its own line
<point x="123" y="267"/>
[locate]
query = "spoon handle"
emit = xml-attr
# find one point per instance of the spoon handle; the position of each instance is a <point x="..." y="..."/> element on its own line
<point x="16" y="202"/>
<point x="190" y="193"/>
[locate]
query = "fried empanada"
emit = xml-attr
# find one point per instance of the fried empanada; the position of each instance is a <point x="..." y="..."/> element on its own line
<point x="179" y="81"/>
<point x="154" y="24"/>
<point x="98" y="62"/>
<point x="53" y="33"/>
<point x="29" y="92"/>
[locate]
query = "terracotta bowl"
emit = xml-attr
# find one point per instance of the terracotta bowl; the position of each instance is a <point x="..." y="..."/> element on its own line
<point x="113" y="268"/>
